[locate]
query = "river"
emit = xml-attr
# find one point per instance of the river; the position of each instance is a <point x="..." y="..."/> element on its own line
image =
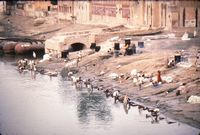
<point x="52" y="106"/>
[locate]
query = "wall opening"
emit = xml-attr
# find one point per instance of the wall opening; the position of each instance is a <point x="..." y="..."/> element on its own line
<point x="196" y="17"/>
<point x="77" y="47"/>
<point x="184" y="17"/>
<point x="49" y="8"/>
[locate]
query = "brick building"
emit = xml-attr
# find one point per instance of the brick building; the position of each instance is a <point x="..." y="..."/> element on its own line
<point x="66" y="10"/>
<point x="134" y="13"/>
<point x="144" y="13"/>
<point x="82" y="11"/>
<point x="35" y="8"/>
<point x="185" y="13"/>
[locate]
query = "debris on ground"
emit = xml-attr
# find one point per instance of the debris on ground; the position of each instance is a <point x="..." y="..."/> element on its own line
<point x="184" y="64"/>
<point x="46" y="57"/>
<point x="39" y="21"/>
<point x="114" y="76"/>
<point x="185" y="36"/>
<point x="167" y="79"/>
<point x="194" y="99"/>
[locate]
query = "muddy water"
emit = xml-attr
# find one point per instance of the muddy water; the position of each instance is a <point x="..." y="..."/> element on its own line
<point x="51" y="106"/>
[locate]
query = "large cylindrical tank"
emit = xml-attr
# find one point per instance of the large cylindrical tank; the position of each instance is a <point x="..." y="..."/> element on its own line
<point x="9" y="47"/>
<point x="27" y="48"/>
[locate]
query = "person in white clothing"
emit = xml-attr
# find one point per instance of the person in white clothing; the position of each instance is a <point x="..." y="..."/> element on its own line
<point x="116" y="95"/>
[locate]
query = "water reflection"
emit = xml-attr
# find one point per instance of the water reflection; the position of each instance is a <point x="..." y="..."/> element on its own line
<point x="126" y="108"/>
<point x="93" y="105"/>
<point x="33" y="75"/>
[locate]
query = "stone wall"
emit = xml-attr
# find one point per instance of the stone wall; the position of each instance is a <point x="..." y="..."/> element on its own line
<point x="137" y="14"/>
<point x="57" y="44"/>
<point x="65" y="10"/>
<point x="82" y="11"/>
<point x="110" y="12"/>
<point x="188" y="13"/>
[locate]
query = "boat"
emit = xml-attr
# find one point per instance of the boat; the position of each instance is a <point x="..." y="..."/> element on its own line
<point x="9" y="47"/>
<point x="27" y="48"/>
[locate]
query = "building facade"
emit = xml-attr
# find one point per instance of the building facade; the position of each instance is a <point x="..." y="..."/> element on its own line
<point x="37" y="8"/>
<point x="185" y="13"/>
<point x="66" y="10"/>
<point x="110" y="12"/>
<point x="167" y="14"/>
<point x="82" y="11"/>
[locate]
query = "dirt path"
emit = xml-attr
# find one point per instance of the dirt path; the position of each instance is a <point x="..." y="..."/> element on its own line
<point x="26" y="26"/>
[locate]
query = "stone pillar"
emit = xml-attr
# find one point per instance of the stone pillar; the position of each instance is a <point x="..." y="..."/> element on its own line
<point x="181" y="17"/>
<point x="156" y="14"/>
<point x="131" y="13"/>
<point x="145" y="15"/>
<point x="140" y="16"/>
<point x="169" y="18"/>
<point x="149" y="12"/>
<point x="119" y="13"/>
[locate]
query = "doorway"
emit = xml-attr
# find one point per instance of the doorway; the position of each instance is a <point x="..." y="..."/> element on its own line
<point x="196" y="17"/>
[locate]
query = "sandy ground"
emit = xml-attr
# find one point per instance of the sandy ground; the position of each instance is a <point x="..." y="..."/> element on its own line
<point x="26" y="26"/>
<point x="149" y="60"/>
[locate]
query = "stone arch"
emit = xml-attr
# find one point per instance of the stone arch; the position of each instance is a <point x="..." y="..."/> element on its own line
<point x="77" y="46"/>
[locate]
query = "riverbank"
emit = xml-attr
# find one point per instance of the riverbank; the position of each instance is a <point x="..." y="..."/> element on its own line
<point x="99" y="66"/>
<point x="148" y="60"/>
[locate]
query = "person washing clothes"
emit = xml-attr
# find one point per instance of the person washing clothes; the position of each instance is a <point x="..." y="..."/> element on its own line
<point x="116" y="95"/>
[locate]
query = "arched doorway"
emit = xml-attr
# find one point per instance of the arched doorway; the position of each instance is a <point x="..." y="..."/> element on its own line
<point x="77" y="47"/>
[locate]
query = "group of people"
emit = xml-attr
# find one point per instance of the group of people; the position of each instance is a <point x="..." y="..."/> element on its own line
<point x="24" y="64"/>
<point x="128" y="49"/>
<point x="170" y="63"/>
<point x="140" y="78"/>
<point x="117" y="96"/>
<point x="127" y="103"/>
<point x="79" y="83"/>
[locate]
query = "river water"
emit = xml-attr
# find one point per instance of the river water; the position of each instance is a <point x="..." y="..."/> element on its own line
<point x="52" y="106"/>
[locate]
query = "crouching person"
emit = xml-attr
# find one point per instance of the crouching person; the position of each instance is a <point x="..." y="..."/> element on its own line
<point x="126" y="100"/>
<point x="116" y="95"/>
<point x="77" y="81"/>
<point x="89" y="86"/>
<point x="126" y="103"/>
